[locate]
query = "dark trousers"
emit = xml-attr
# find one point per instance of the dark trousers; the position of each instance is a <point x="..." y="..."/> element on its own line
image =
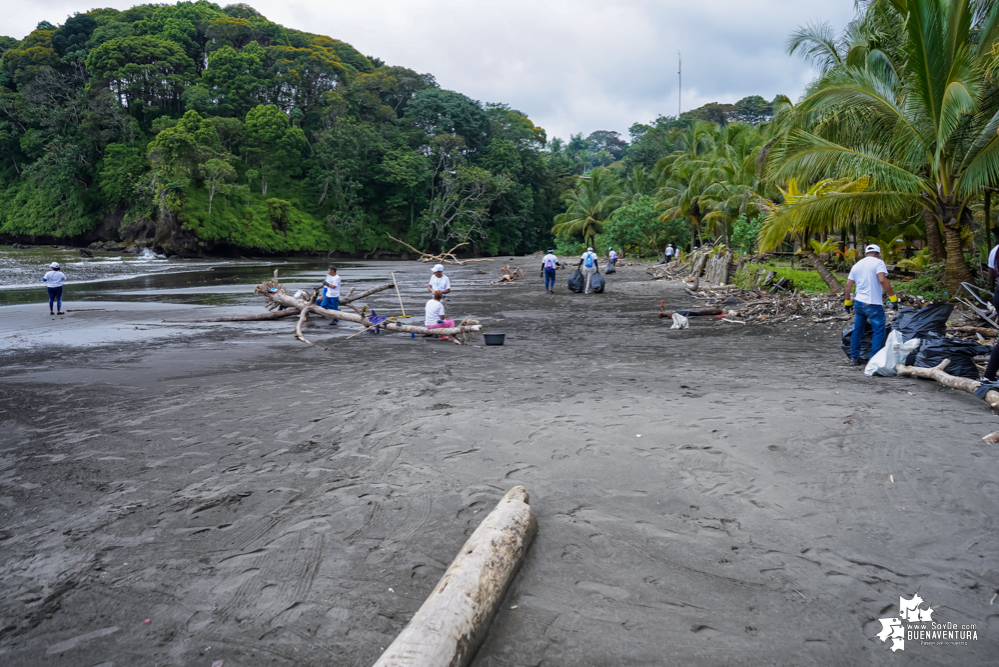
<point x="549" y="279"/>
<point x="993" y="367"/>
<point x="55" y="297"/>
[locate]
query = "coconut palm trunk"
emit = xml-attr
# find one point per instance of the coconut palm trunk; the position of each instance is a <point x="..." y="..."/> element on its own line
<point x="933" y="242"/>
<point x="827" y="275"/>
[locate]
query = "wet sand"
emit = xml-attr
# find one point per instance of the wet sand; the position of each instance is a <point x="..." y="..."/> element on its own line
<point x="717" y="496"/>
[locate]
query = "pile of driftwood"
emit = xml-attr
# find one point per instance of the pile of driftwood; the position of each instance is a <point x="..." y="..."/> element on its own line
<point x="508" y="275"/>
<point x="281" y="303"/>
<point x="444" y="258"/>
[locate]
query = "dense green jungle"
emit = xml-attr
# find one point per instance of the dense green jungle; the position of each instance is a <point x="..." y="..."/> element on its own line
<point x="194" y="128"/>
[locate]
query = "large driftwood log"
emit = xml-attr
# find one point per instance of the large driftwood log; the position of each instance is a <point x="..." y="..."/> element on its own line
<point x="937" y="373"/>
<point x="448" y="628"/>
<point x="692" y="312"/>
<point x="302" y="307"/>
<point x="281" y="314"/>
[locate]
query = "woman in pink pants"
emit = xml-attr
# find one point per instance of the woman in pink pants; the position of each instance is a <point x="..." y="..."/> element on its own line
<point x="435" y="313"/>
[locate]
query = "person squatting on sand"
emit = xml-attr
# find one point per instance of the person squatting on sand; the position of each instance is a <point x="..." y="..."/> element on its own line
<point x="435" y="313"/>
<point x="588" y="262"/>
<point x="54" y="280"/>
<point x="870" y="275"/>
<point x="549" y="265"/>
<point x="438" y="281"/>
<point x="331" y="292"/>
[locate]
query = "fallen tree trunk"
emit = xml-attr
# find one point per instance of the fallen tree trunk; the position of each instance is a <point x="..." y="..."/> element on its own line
<point x="448" y="628"/>
<point x="986" y="332"/>
<point x="692" y="312"/>
<point x="938" y="373"/>
<point x="302" y="308"/>
<point x="281" y="314"/>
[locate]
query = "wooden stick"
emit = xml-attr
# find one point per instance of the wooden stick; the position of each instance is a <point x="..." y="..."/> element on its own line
<point x="399" y="295"/>
<point x="276" y="315"/>
<point x="937" y="373"/>
<point x="448" y="628"/>
<point x="375" y="326"/>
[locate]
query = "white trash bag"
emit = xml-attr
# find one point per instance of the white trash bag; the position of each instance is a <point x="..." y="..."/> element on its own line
<point x="891" y="355"/>
<point x="680" y="322"/>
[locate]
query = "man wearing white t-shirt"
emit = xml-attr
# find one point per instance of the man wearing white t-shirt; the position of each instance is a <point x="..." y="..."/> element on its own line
<point x="870" y="275"/>
<point x="549" y="265"/>
<point x="331" y="292"/>
<point x="438" y="281"/>
<point x="669" y="252"/>
<point x="54" y="280"/>
<point x="589" y="266"/>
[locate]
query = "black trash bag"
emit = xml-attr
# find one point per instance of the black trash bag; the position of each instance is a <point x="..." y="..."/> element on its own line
<point x="610" y="269"/>
<point x="922" y="323"/>
<point x="865" y="342"/>
<point x="576" y="281"/>
<point x="960" y="352"/>
<point x="662" y="260"/>
<point x="597" y="283"/>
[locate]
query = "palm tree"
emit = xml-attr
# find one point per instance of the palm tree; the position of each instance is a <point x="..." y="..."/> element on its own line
<point x="588" y="206"/>
<point x="786" y="219"/>
<point x="637" y="184"/>
<point x="923" y="136"/>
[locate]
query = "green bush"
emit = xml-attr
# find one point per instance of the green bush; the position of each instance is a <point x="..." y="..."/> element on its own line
<point x="807" y="281"/>
<point x="929" y="284"/>
<point x="744" y="233"/>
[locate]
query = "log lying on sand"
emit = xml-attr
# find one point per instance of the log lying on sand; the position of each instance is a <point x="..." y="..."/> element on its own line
<point x="692" y="312"/>
<point x="302" y="307"/>
<point x="281" y="314"/>
<point x="937" y="373"/>
<point x="448" y="628"/>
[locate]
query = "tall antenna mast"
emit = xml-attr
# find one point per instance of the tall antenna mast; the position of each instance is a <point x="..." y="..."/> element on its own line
<point x="679" y="74"/>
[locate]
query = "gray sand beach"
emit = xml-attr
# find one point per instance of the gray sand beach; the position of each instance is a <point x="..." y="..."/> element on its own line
<point x="721" y="495"/>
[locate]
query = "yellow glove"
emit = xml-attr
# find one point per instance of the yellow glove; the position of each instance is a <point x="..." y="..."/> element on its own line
<point x="849" y="305"/>
<point x="893" y="300"/>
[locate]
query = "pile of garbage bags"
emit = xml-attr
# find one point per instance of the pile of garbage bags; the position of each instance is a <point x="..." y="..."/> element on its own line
<point x="918" y="338"/>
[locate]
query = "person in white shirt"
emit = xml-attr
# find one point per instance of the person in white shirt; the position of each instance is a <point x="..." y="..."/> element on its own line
<point x="588" y="262"/>
<point x="438" y="281"/>
<point x="612" y="255"/>
<point x="549" y="265"/>
<point x="54" y="280"/>
<point x="331" y="292"/>
<point x="669" y="252"/>
<point x="435" y="313"/>
<point x="870" y="275"/>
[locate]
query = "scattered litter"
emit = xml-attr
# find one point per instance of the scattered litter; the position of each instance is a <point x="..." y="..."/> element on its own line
<point x="638" y="436"/>
<point x="218" y="663"/>
<point x="993" y="598"/>
<point x="148" y="621"/>
<point x="892" y="478"/>
<point x="680" y="322"/>
<point x="513" y="607"/>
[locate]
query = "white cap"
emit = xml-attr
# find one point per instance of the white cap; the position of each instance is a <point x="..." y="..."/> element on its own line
<point x="589" y="250"/>
<point x="872" y="248"/>
<point x="54" y="265"/>
<point x="438" y="267"/>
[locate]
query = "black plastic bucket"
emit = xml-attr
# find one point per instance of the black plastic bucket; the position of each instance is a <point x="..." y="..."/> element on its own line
<point x="494" y="338"/>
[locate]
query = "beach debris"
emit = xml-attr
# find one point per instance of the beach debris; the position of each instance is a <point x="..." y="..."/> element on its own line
<point x="444" y="258"/>
<point x="992" y="438"/>
<point x="452" y="622"/>
<point x="277" y="296"/>
<point x="939" y="374"/>
<point x="680" y="321"/>
<point x="218" y="663"/>
<point x="508" y="275"/>
<point x="148" y="621"/>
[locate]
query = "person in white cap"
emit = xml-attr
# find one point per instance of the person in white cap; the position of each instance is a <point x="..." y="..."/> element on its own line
<point x="870" y="275"/>
<point x="438" y="281"/>
<point x="669" y="252"/>
<point x="588" y="262"/>
<point x="54" y="280"/>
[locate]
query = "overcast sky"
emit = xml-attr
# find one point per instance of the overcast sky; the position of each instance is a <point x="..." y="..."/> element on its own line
<point x="570" y="65"/>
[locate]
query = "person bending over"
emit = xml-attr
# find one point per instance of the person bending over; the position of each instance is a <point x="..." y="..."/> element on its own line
<point x="435" y="313"/>
<point x="870" y="275"/>
<point x="438" y="281"/>
<point x="54" y="280"/>
<point x="549" y="265"/>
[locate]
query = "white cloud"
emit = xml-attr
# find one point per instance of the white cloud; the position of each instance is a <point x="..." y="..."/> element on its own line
<point x="571" y="65"/>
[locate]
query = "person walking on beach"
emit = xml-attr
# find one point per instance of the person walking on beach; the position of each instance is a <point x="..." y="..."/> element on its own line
<point x="588" y="262"/>
<point x="331" y="292"/>
<point x="870" y="275"/>
<point x="435" y="313"/>
<point x="438" y="281"/>
<point x="549" y="265"/>
<point x="612" y="256"/>
<point x="669" y="252"/>
<point x="54" y="280"/>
